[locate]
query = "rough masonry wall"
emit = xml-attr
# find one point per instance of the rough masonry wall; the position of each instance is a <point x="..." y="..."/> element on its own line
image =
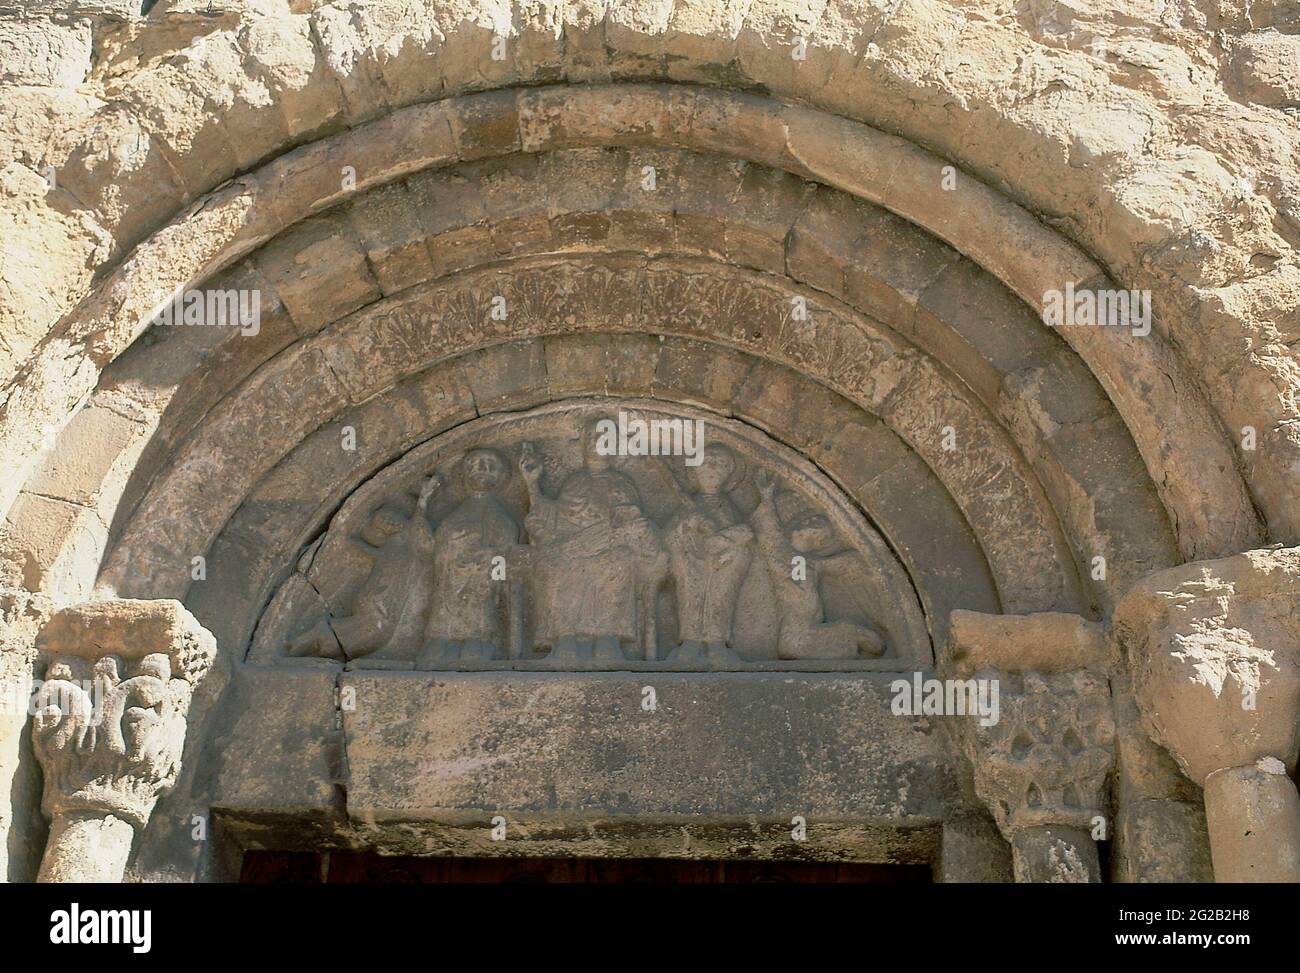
<point x="1161" y="137"/>
<point x="142" y="150"/>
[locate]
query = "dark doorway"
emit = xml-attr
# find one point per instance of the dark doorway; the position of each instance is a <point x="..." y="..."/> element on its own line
<point x="344" y="867"/>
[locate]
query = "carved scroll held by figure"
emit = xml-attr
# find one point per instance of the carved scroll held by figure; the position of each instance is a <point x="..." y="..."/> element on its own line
<point x="468" y="606"/>
<point x="391" y="605"/>
<point x="794" y="557"/>
<point x="597" y="560"/>
<point x="710" y="549"/>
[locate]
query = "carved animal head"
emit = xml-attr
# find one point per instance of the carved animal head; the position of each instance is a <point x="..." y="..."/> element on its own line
<point x="813" y="534"/>
<point x="383" y="524"/>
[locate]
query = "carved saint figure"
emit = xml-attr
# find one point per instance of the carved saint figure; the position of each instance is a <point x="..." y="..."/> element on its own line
<point x="794" y="558"/>
<point x="465" y="601"/>
<point x="597" y="558"/>
<point x="390" y="605"/>
<point x="710" y="550"/>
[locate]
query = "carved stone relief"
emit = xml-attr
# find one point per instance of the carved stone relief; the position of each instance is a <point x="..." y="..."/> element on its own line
<point x="109" y="726"/>
<point x="599" y="534"/>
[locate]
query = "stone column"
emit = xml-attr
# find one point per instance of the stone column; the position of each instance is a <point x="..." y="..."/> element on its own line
<point x="1254" y="818"/>
<point x="1215" y="651"/>
<point x="109" y="726"/>
<point x="1042" y="767"/>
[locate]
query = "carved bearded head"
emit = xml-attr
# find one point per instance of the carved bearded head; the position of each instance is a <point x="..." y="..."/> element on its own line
<point x="593" y="459"/>
<point x="484" y="470"/>
<point x="716" y="472"/>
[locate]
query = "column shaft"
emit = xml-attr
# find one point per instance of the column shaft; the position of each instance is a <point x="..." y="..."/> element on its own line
<point x="86" y="848"/>
<point x="1253" y="815"/>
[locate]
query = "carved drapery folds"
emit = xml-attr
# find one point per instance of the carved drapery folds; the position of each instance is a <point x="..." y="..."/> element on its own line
<point x="109" y="725"/>
<point x="1042" y="767"/>
<point x="598" y="534"/>
<point x="1215" y="651"/>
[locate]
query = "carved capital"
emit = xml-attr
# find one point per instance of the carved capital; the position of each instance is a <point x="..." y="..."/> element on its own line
<point x="1047" y="759"/>
<point x="110" y="717"/>
<point x="1042" y="766"/>
<point x="1214" y="647"/>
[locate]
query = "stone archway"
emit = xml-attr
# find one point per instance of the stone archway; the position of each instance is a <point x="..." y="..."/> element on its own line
<point x="647" y="209"/>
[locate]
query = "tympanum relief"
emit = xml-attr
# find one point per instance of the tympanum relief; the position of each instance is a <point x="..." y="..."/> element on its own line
<point x="598" y="534"/>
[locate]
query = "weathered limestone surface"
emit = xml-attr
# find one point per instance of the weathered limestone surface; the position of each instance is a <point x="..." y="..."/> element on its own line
<point x="1213" y="648"/>
<point x="1253" y="815"/>
<point x="580" y="764"/>
<point x="40" y="52"/>
<point x="1042" y="767"/>
<point x="24" y="830"/>
<point x="1162" y="841"/>
<point x="1268" y="68"/>
<point x="1043" y="642"/>
<point x="834" y="225"/>
<point x="973" y="850"/>
<point x="1159" y="830"/>
<point x="1150" y="149"/>
<point x="277" y="743"/>
<point x="109" y="726"/>
<point x="720" y="760"/>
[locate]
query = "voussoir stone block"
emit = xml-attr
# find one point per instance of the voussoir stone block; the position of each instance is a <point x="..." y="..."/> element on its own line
<point x="298" y="264"/>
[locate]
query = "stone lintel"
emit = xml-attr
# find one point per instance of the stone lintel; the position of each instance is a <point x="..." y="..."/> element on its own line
<point x="723" y="761"/>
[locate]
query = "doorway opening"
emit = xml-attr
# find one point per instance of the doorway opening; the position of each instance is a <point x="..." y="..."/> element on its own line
<point x="359" y="867"/>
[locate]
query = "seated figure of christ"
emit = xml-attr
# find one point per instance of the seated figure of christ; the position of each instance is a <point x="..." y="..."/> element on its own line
<point x="597" y="559"/>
